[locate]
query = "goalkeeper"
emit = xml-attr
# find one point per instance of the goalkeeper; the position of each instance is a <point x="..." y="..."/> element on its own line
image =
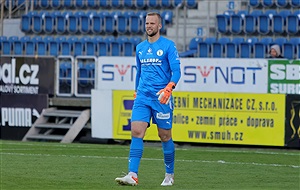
<point x="158" y="71"/>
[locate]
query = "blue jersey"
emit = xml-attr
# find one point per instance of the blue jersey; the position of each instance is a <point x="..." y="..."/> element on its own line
<point x="157" y="64"/>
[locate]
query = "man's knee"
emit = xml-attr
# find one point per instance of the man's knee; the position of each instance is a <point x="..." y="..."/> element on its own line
<point x="164" y="135"/>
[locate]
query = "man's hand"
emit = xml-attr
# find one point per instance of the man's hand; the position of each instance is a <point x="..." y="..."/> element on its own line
<point x="164" y="95"/>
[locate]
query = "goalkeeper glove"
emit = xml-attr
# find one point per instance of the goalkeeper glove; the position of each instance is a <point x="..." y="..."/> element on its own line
<point x="164" y="95"/>
<point x="134" y="95"/>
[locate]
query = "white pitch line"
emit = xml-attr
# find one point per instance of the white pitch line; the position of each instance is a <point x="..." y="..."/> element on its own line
<point x="201" y="149"/>
<point x="155" y="159"/>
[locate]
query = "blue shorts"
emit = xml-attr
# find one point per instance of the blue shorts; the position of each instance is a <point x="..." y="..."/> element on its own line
<point x="145" y="109"/>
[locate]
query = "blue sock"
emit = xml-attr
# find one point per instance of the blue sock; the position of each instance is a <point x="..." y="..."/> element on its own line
<point x="169" y="155"/>
<point x="135" y="154"/>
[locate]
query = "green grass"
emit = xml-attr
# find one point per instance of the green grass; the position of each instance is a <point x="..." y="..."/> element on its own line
<point x="37" y="165"/>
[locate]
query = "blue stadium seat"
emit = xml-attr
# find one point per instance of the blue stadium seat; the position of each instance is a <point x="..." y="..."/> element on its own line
<point x="140" y="4"/>
<point x="49" y="24"/>
<point x="6" y="4"/>
<point x="90" y="47"/>
<point x="279" y="20"/>
<point x="60" y="22"/>
<point x="117" y="4"/>
<point x="129" y="46"/>
<point x="80" y="4"/>
<point x="191" y="4"/>
<point x="223" y="23"/>
<point x="293" y="23"/>
<point x="142" y="18"/>
<point x="67" y="4"/>
<point x="204" y="47"/>
<point x="21" y="4"/>
<point x="153" y="4"/>
<point x="17" y="45"/>
<point x="77" y="46"/>
<point x="82" y="74"/>
<point x="167" y="16"/>
<point x="65" y="47"/>
<point x="72" y="22"/>
<point x="55" y="4"/>
<point x="37" y="22"/>
<point x="133" y="22"/>
<point x="166" y="4"/>
<point x="232" y="48"/>
<point x="261" y="47"/>
<point x="104" y="4"/>
<point x="251" y="22"/>
<point x="102" y="47"/>
<point x="93" y="4"/>
<point x="6" y="47"/>
<point x="97" y="22"/>
<point x="289" y="49"/>
<point x="237" y="22"/>
<point x="295" y="3"/>
<point x="65" y="72"/>
<point x="282" y="3"/>
<point x="192" y="50"/>
<point x="121" y="22"/>
<point x="117" y="46"/>
<point x="128" y="4"/>
<point x="2" y="38"/>
<point x="84" y="22"/>
<point x="109" y="22"/>
<point x="218" y="47"/>
<point x="177" y="2"/>
<point x="255" y="3"/>
<point x="44" y="4"/>
<point x="265" y="24"/>
<point x="268" y="3"/>
<point x="26" y="22"/>
<point x="246" y="47"/>
<point x="29" y="47"/>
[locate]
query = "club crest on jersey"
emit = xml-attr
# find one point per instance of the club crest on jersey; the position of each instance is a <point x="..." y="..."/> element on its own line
<point x="159" y="52"/>
<point x="149" y="52"/>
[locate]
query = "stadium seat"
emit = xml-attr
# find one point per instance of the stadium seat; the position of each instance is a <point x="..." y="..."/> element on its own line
<point x="84" y="22"/>
<point x="153" y="4"/>
<point x="192" y="50"/>
<point x="251" y="22"/>
<point x="104" y="4"/>
<point x="166" y="4"/>
<point x="261" y="47"/>
<point x="117" y="46"/>
<point x="293" y="23"/>
<point x="255" y="3"/>
<point x="177" y="2"/>
<point x="102" y="47"/>
<point x="282" y="3"/>
<point x="60" y="22"/>
<point x="67" y="4"/>
<point x="6" y="47"/>
<point x="191" y="4"/>
<point x="93" y="4"/>
<point x="279" y="20"/>
<point x="48" y="23"/>
<point x="128" y="4"/>
<point x="121" y="21"/>
<point x="97" y="22"/>
<point x="140" y="4"/>
<point x="232" y="48"/>
<point x="204" y="47"/>
<point x="133" y="22"/>
<point x="109" y="22"/>
<point x="117" y="4"/>
<point x="142" y="18"/>
<point x="223" y="23"/>
<point x="295" y="3"/>
<point x="21" y="4"/>
<point x="90" y="47"/>
<point x="167" y="16"/>
<point x="29" y="47"/>
<point x="55" y="4"/>
<point x="268" y="4"/>
<point x="279" y="41"/>
<point x="218" y="47"/>
<point x="265" y="23"/>
<point x="72" y="22"/>
<point x="289" y="49"/>
<point x="44" y="4"/>
<point x="80" y="4"/>
<point x="37" y="22"/>
<point x="17" y="46"/>
<point x="237" y="22"/>
<point x="246" y="47"/>
<point x="65" y="72"/>
<point x="26" y="22"/>
<point x="78" y="47"/>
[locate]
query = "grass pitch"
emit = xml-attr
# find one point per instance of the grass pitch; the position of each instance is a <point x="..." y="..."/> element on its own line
<point x="40" y="165"/>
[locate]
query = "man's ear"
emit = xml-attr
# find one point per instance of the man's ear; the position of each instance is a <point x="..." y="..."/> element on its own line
<point x="160" y="26"/>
